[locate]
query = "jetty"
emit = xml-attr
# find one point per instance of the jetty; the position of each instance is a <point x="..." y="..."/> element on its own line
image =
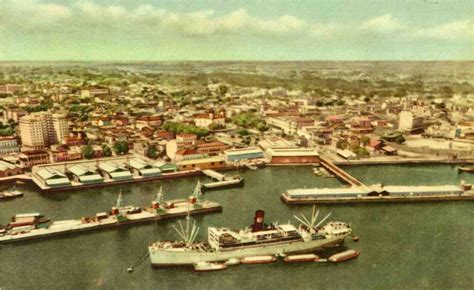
<point x="340" y="173"/>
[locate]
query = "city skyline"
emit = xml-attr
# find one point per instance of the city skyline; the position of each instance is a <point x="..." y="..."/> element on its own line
<point x="235" y="30"/>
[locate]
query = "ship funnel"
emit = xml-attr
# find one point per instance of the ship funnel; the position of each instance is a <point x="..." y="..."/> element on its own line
<point x="258" y="221"/>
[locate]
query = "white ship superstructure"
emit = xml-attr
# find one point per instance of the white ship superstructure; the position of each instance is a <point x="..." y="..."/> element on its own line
<point x="261" y="239"/>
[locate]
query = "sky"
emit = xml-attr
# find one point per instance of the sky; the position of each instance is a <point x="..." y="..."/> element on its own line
<point x="141" y="30"/>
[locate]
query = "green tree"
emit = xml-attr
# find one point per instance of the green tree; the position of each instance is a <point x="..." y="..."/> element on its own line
<point x="342" y="144"/>
<point x="106" y="150"/>
<point x="121" y="147"/>
<point x="152" y="152"/>
<point x="87" y="151"/>
<point x="364" y="140"/>
<point x="400" y="139"/>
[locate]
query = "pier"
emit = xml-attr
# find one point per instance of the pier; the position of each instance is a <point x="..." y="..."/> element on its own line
<point x="341" y="174"/>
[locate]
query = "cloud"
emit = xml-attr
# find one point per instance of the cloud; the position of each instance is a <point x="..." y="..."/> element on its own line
<point x="37" y="17"/>
<point x="448" y="31"/>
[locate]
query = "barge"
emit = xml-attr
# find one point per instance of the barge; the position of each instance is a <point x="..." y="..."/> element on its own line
<point x="378" y="193"/>
<point x="34" y="226"/>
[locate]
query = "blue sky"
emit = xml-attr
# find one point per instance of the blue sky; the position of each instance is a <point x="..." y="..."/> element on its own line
<point x="236" y="30"/>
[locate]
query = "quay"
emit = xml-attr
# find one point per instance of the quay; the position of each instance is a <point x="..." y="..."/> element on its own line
<point x="377" y="193"/>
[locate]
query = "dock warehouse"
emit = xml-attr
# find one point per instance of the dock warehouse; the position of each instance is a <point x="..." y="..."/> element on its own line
<point x="166" y="167"/>
<point x="52" y="177"/>
<point x="142" y="168"/>
<point x="292" y="155"/>
<point x="328" y="192"/>
<point x="424" y="190"/>
<point x="114" y="171"/>
<point x="82" y="174"/>
<point x="243" y="154"/>
<point x="204" y="163"/>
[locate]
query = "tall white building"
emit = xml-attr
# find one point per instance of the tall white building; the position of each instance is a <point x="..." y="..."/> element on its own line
<point x="61" y="128"/>
<point x="409" y="122"/>
<point x="42" y="130"/>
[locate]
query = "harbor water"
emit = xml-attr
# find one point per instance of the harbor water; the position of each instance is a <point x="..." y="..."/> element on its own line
<point x="409" y="246"/>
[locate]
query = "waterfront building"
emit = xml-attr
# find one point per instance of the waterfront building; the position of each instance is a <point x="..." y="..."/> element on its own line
<point x="142" y="168"/>
<point x="182" y="141"/>
<point x="83" y="174"/>
<point x="204" y="163"/>
<point x="293" y="155"/>
<point x="114" y="171"/>
<point x="28" y="159"/>
<point x="243" y="154"/>
<point x="8" y="169"/>
<point x="51" y="177"/>
<point x="8" y="144"/>
<point x="166" y="167"/>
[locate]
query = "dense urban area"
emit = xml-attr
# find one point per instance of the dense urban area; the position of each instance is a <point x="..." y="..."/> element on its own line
<point x="73" y="124"/>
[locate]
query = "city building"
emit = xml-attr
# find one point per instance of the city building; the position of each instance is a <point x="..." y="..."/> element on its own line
<point x="13" y="114"/>
<point x="93" y="91"/>
<point x="292" y="155"/>
<point x="8" y="169"/>
<point x="211" y="148"/>
<point x="51" y="177"/>
<point x="28" y="159"/>
<point x="144" y="169"/>
<point x="410" y="123"/>
<point x="38" y="130"/>
<point x="82" y="174"/>
<point x="205" y="120"/>
<point x="201" y="164"/>
<point x="61" y="128"/>
<point x="243" y="154"/>
<point x="8" y="144"/>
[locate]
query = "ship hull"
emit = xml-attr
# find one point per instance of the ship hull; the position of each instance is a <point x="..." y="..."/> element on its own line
<point x="161" y="257"/>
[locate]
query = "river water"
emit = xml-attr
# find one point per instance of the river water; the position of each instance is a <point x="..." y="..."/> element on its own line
<point x="411" y="246"/>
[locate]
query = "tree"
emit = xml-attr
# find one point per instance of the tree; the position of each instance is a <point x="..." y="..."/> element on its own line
<point x="87" y="151"/>
<point x="121" y="147"/>
<point x="342" y="144"/>
<point x="106" y="150"/>
<point x="364" y="140"/>
<point x="152" y="152"/>
<point x="400" y="139"/>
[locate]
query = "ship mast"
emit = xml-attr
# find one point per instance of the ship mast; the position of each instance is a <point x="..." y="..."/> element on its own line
<point x="159" y="196"/>
<point x="189" y="233"/>
<point x="119" y="202"/>
<point x="197" y="191"/>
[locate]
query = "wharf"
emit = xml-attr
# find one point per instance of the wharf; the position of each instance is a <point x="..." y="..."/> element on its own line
<point x="377" y="199"/>
<point x="114" y="221"/>
<point x="377" y="193"/>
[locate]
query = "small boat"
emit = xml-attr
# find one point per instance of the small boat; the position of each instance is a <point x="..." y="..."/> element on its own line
<point x="343" y="256"/>
<point x="301" y="258"/>
<point x="10" y="194"/>
<point x="232" y="261"/>
<point x="258" y="260"/>
<point x="206" y="267"/>
<point x="466" y="169"/>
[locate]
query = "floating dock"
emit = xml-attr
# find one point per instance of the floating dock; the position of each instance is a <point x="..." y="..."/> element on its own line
<point x="377" y="193"/>
<point x="214" y="174"/>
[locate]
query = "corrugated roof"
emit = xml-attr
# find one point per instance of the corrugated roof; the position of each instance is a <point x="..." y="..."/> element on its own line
<point x="48" y="173"/>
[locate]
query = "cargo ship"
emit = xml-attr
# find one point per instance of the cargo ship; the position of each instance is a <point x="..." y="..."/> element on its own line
<point x="33" y="226"/>
<point x="259" y="239"/>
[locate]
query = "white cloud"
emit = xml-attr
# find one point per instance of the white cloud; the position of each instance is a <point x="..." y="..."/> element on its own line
<point x="448" y="31"/>
<point x="382" y="24"/>
<point x="35" y="16"/>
